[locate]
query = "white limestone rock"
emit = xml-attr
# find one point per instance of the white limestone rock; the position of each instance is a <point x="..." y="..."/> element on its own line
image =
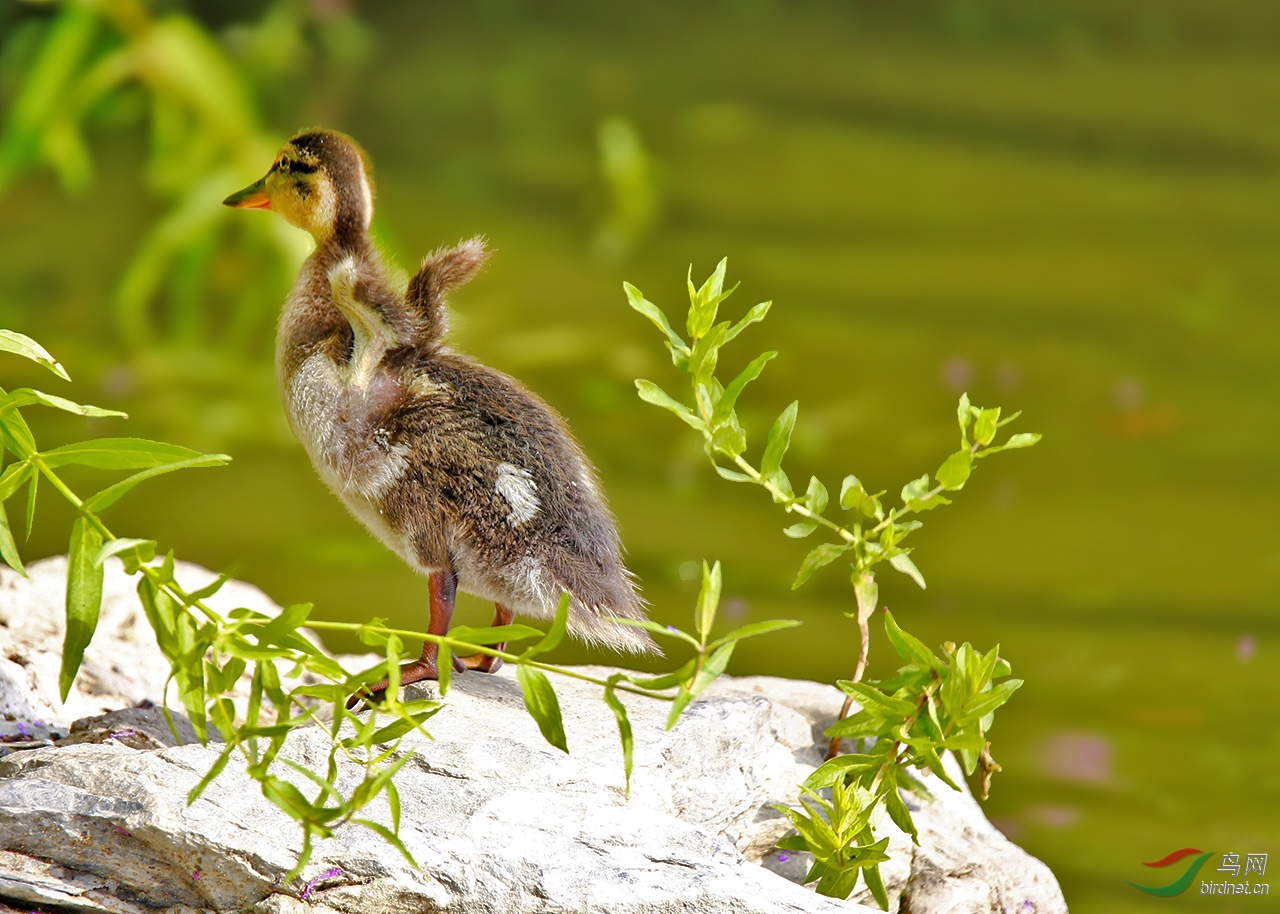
<point x="499" y="821"/>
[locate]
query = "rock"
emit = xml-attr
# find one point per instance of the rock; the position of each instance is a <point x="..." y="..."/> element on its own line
<point x="122" y="668"/>
<point x="499" y="821"/>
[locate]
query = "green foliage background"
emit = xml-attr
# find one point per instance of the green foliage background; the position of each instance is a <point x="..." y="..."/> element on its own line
<point x="1069" y="208"/>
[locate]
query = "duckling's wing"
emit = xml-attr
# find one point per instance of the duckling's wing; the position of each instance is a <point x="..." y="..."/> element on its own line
<point x="443" y="269"/>
<point x="366" y="306"/>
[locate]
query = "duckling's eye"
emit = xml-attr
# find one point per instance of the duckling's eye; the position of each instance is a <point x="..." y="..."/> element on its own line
<point x="288" y="166"/>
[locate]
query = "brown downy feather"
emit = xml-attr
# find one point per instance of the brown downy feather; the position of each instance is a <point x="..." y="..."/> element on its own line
<point x="443" y="269"/>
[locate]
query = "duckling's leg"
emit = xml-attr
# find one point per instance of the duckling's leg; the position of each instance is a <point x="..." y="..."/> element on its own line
<point x="485" y="663"/>
<point x="443" y="587"/>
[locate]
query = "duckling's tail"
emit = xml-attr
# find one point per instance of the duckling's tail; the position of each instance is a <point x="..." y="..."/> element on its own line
<point x="443" y="269"/>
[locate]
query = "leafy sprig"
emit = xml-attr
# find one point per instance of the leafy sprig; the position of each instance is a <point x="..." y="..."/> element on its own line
<point x="876" y="535"/>
<point x="932" y="705"/>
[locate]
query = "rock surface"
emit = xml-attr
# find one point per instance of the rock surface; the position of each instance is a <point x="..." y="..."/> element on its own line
<point x="498" y="820"/>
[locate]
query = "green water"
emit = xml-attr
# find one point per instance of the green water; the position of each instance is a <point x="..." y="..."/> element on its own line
<point x="1074" y="212"/>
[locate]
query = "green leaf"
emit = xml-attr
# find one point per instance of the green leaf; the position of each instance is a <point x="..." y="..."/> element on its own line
<point x="624" y="725"/>
<point x="835" y="769"/>
<point x="142" y="551"/>
<point x="724" y="407"/>
<point x="493" y="635"/>
<point x="214" y="770"/>
<point x="652" y="393"/>
<point x="909" y="647"/>
<point x="117" y="454"/>
<point x="32" y="485"/>
<point x="661" y="630"/>
<point x="712" y="667"/>
<point x="916" y="495"/>
<point x="25" y="396"/>
<point x="821" y="555"/>
<point x="705" y="302"/>
<point x="875" y="883"/>
<point x="984" y="428"/>
<point x="113" y="493"/>
<point x="955" y="470"/>
<point x="915" y="490"/>
<point x="838" y="882"/>
<point x="26" y="347"/>
<point x="188" y="670"/>
<point x="14" y="476"/>
<point x="897" y="809"/>
<point x="757" y="313"/>
<point x="386" y="835"/>
<point x="815" y="497"/>
<point x="965" y="415"/>
<point x="1020" y="440"/>
<point x="783" y="482"/>
<point x="84" y="599"/>
<point x="160" y="611"/>
<point x="903" y="563"/>
<point x="400" y="727"/>
<point x="729" y="439"/>
<point x="779" y="440"/>
<point x="706" y="355"/>
<point x="210" y="589"/>
<point x="875" y="702"/>
<point x="287" y="798"/>
<point x="715" y="664"/>
<point x="8" y="548"/>
<point x="665" y="680"/>
<point x="17" y="433"/>
<point x="988" y="701"/>
<point x="732" y="475"/>
<point x="860" y="725"/>
<point x="753" y="629"/>
<point x="636" y="299"/>
<point x="855" y="498"/>
<point x="555" y="634"/>
<point x="867" y="592"/>
<point x="393" y="806"/>
<point x="801" y="530"/>
<point x="708" y="599"/>
<point x="681" y="701"/>
<point x="542" y="704"/>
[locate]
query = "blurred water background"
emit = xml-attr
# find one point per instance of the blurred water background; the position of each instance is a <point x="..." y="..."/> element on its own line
<point x="1070" y="208"/>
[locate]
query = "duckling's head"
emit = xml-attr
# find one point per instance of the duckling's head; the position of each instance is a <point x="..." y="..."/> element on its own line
<point x="319" y="182"/>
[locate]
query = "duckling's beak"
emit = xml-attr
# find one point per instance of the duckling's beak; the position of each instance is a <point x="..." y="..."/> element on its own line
<point x="254" y="196"/>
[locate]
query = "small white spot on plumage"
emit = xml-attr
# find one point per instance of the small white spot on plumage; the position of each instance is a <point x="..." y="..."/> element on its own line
<point x="517" y="487"/>
<point x="423" y="386"/>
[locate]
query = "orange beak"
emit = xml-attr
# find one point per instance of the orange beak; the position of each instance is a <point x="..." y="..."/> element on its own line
<point x="254" y="196"/>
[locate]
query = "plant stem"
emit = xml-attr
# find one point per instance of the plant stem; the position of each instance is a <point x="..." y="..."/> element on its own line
<point x="506" y="656"/>
<point x="864" y="641"/>
<point x="791" y="502"/>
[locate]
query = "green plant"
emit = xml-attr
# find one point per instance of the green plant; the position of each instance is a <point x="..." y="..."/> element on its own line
<point x="930" y="705"/>
<point x="210" y="654"/>
<point x="95" y="63"/>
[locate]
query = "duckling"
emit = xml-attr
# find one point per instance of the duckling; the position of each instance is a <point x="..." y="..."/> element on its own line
<point x="457" y="468"/>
